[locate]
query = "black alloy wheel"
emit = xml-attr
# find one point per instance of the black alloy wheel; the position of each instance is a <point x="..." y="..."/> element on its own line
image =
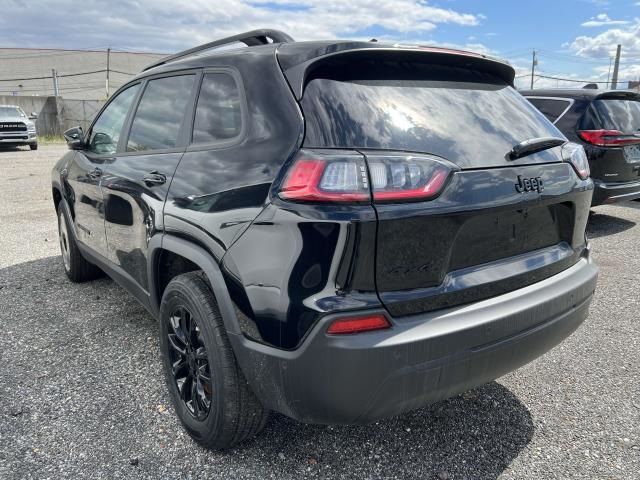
<point x="211" y="397"/>
<point x="190" y="364"/>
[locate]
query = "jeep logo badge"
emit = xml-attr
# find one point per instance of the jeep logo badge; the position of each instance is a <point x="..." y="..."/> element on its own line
<point x="529" y="184"/>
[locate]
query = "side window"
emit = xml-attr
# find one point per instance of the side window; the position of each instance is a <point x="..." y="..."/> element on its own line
<point x="551" y="109"/>
<point x="218" y="112"/>
<point x="160" y="113"/>
<point x="106" y="131"/>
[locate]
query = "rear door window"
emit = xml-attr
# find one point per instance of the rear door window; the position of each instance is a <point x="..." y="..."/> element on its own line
<point x="218" y="111"/>
<point x="618" y="114"/>
<point x="160" y="114"/>
<point x="551" y="108"/>
<point x="469" y="118"/>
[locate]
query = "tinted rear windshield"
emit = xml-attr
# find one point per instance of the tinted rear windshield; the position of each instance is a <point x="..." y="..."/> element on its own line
<point x="473" y="120"/>
<point x="622" y="115"/>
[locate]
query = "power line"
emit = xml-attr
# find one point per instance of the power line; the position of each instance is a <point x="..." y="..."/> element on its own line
<point x="569" y="79"/>
<point x="65" y="75"/>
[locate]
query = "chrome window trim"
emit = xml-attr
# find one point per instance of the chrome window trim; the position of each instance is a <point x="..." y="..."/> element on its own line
<point x="570" y="100"/>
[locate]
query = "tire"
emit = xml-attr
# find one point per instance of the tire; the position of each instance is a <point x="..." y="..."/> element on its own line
<point x="189" y="314"/>
<point x="33" y="146"/>
<point x="75" y="266"/>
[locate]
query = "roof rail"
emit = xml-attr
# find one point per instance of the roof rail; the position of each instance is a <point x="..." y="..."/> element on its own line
<point x="250" y="39"/>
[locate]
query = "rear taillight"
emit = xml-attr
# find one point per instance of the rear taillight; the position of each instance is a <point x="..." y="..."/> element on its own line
<point x="352" y="325"/>
<point x="575" y="155"/>
<point x="407" y="178"/>
<point x="327" y="176"/>
<point x="608" y="138"/>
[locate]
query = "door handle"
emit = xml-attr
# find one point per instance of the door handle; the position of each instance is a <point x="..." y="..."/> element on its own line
<point x="95" y="173"/>
<point x="154" y="178"/>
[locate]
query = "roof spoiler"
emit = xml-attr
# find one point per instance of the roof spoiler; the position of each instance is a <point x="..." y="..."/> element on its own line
<point x="299" y="67"/>
<point x="619" y="95"/>
<point x="250" y="39"/>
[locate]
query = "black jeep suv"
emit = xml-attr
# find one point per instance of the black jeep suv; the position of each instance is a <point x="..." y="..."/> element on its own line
<point x="338" y="231"/>
<point x="607" y="124"/>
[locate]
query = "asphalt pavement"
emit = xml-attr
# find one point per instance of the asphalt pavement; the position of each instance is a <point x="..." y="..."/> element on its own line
<point x="82" y="393"/>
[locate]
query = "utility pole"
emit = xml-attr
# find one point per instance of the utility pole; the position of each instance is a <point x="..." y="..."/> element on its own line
<point x="534" y="62"/>
<point x="616" y="65"/>
<point x="609" y="74"/>
<point x="107" y="81"/>
<point x="54" y="75"/>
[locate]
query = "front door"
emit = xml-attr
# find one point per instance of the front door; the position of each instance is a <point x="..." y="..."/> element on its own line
<point x="135" y="182"/>
<point x="86" y="170"/>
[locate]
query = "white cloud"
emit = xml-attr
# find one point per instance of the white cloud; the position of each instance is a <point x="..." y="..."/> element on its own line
<point x="604" y="44"/>
<point x="603" y="19"/>
<point x="168" y="26"/>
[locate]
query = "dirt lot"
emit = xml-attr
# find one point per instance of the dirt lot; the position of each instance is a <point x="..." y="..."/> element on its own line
<point x="82" y="396"/>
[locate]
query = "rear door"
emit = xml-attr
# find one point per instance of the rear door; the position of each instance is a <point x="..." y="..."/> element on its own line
<point x="494" y="224"/>
<point x="611" y="129"/>
<point x="135" y="183"/>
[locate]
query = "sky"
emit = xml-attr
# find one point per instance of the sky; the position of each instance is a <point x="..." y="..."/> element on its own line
<point x="574" y="39"/>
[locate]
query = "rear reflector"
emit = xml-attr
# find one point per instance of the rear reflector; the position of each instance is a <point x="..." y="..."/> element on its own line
<point x="608" y="138"/>
<point x="351" y="325"/>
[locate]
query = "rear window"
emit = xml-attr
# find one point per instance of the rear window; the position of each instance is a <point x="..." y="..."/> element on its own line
<point x="617" y="114"/>
<point x="550" y="108"/>
<point x="472" y="122"/>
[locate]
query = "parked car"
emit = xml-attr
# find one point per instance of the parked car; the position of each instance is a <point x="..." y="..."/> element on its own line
<point x="607" y="124"/>
<point x="16" y="128"/>
<point x="337" y="231"/>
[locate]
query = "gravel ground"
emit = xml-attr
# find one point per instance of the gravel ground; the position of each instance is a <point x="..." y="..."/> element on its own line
<point x="82" y="396"/>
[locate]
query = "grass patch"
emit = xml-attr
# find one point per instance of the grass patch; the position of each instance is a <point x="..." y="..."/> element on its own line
<point x="51" y="139"/>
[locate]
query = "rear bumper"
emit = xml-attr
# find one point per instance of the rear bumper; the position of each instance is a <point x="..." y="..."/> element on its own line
<point x="421" y="359"/>
<point x="614" y="192"/>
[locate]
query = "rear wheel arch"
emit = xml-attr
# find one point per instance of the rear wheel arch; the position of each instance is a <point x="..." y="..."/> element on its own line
<point x="171" y="256"/>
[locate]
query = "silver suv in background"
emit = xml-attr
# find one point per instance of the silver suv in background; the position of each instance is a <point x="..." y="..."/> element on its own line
<point x="16" y="128"/>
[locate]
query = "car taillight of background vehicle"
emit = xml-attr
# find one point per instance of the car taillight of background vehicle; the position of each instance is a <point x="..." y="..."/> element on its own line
<point x="608" y="138"/>
<point x="576" y="156"/>
<point x="342" y="176"/>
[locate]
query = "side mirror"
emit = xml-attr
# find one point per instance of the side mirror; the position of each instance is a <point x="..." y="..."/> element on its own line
<point x="33" y="116"/>
<point x="74" y="138"/>
<point x="102" y="138"/>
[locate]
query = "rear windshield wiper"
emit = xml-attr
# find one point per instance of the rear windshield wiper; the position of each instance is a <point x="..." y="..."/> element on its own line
<point x="534" y="145"/>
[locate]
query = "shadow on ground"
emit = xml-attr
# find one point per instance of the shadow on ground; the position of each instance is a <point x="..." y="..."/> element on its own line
<point x="12" y="148"/>
<point x="94" y="338"/>
<point x="474" y="435"/>
<point x="601" y="224"/>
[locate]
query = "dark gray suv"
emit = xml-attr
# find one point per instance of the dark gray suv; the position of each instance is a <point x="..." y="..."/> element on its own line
<point x="607" y="124"/>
